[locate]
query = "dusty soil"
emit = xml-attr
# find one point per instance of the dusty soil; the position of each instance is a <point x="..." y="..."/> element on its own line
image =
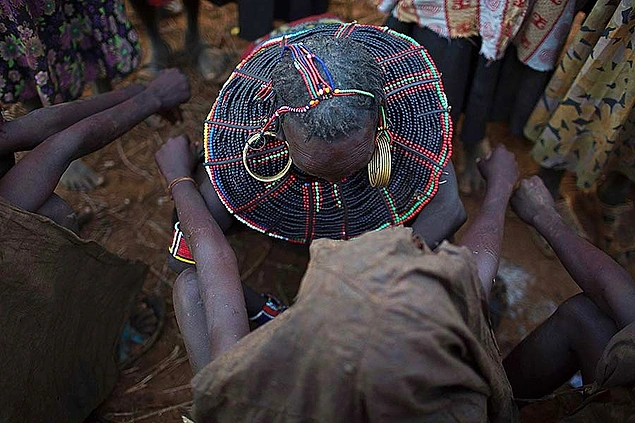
<point x="133" y="219"/>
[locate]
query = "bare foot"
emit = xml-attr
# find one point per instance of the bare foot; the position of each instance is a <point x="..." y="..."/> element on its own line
<point x="142" y="329"/>
<point x="470" y="180"/>
<point x="213" y="64"/>
<point x="173" y="8"/>
<point x="79" y="177"/>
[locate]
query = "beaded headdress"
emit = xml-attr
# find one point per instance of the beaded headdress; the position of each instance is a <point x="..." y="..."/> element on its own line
<point x="299" y="207"/>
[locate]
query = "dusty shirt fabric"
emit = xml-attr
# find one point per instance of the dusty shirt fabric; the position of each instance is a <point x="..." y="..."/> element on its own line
<point x="381" y="331"/>
<point x="63" y="302"/>
<point x="585" y="120"/>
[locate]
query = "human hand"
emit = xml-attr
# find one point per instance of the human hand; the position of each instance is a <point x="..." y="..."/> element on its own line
<point x="499" y="168"/>
<point x="532" y="198"/>
<point x="171" y="88"/>
<point x="175" y="159"/>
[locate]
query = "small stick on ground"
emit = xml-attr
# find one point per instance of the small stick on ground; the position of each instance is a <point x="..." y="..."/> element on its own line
<point x="161" y="276"/>
<point x="129" y="164"/>
<point x="157" y="138"/>
<point x="177" y="389"/>
<point x="155" y="370"/>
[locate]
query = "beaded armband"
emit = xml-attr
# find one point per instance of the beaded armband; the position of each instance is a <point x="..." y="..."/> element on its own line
<point x="179" y="249"/>
<point x="272" y="308"/>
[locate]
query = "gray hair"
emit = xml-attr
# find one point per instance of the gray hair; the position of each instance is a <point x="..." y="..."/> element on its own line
<point x="352" y="67"/>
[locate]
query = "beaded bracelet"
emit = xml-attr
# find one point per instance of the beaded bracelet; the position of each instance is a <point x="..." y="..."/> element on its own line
<point x="177" y="180"/>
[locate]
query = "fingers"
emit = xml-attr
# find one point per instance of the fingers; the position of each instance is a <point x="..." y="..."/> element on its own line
<point x="174" y="157"/>
<point x="532" y="188"/>
<point x="179" y="139"/>
<point x="530" y="183"/>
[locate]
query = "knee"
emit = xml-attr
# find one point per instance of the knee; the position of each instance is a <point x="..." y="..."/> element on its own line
<point x="177" y="266"/>
<point x="580" y="315"/>
<point x="572" y="310"/>
<point x="185" y="292"/>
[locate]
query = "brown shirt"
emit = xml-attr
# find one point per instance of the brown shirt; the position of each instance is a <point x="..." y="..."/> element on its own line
<point x="63" y="302"/>
<point x="381" y="331"/>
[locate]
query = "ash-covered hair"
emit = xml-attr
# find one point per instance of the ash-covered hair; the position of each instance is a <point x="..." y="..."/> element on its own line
<point x="352" y="67"/>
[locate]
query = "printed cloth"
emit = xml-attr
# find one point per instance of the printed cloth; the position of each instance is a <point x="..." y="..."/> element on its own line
<point x="51" y="48"/>
<point x="381" y="331"/>
<point x="585" y="120"/>
<point x="538" y="28"/>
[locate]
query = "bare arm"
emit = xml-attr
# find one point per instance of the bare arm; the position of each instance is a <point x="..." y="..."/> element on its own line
<point x="608" y="284"/>
<point x="27" y="132"/>
<point x="32" y="180"/>
<point x="216" y="265"/>
<point x="484" y="237"/>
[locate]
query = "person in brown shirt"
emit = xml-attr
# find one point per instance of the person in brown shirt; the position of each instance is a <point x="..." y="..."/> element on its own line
<point x="383" y="328"/>
<point x="64" y="300"/>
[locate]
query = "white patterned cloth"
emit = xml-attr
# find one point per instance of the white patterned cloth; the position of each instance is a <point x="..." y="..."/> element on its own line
<point x="538" y="28"/>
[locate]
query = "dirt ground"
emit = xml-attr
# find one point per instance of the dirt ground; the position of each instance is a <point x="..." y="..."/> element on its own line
<point x="133" y="219"/>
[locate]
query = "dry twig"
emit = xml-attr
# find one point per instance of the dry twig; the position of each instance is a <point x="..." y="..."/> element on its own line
<point x="154" y="413"/>
<point x="129" y="164"/>
<point x="176" y="389"/>
<point x="161" y="276"/>
<point x="171" y="361"/>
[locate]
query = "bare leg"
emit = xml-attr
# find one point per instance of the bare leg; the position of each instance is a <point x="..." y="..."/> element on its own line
<point x="603" y="280"/>
<point x="572" y="339"/>
<point x="211" y="62"/>
<point x="575" y="336"/>
<point x="190" y="315"/>
<point x="253" y="300"/>
<point x="149" y="16"/>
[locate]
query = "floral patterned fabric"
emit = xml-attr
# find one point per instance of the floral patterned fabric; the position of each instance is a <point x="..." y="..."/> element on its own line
<point x="51" y="48"/>
<point x="585" y="120"/>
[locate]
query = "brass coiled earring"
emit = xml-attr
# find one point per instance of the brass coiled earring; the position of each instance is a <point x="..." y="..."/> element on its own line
<point x="380" y="165"/>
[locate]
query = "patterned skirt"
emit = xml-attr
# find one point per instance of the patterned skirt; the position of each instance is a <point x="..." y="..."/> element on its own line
<point x="585" y="120"/>
<point x="51" y="48"/>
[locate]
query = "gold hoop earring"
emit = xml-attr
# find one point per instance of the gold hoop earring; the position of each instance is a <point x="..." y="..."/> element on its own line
<point x="249" y="145"/>
<point x="380" y="165"/>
